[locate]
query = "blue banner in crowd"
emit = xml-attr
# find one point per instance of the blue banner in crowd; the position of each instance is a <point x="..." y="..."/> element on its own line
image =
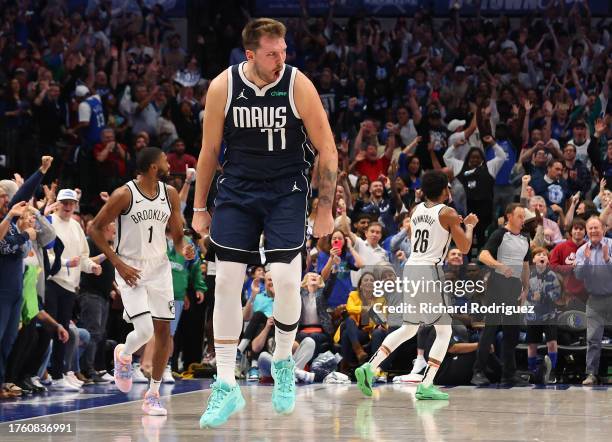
<point x="391" y="8"/>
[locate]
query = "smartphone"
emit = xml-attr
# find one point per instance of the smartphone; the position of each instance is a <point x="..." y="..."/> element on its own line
<point x="337" y="243"/>
<point x="375" y="317"/>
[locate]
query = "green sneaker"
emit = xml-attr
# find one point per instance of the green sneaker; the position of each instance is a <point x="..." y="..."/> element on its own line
<point x="283" y="393"/>
<point x="365" y="378"/>
<point x="430" y="393"/>
<point x="222" y="403"/>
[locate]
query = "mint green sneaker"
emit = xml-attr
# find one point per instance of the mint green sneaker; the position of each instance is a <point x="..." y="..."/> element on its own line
<point x="365" y="378"/>
<point x="222" y="403"/>
<point x="430" y="393"/>
<point x="283" y="393"/>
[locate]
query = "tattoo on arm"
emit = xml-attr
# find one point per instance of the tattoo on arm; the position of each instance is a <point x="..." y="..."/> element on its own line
<point x="327" y="186"/>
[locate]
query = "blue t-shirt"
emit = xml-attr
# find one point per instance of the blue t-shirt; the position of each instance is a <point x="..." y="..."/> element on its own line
<point x="92" y="133"/>
<point x="343" y="285"/>
<point x="263" y="303"/>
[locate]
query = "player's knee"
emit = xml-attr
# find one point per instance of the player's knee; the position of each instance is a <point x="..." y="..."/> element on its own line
<point x="407" y="331"/>
<point x="225" y="278"/>
<point x="286" y="288"/>
<point x="443" y="331"/>
<point x="145" y="328"/>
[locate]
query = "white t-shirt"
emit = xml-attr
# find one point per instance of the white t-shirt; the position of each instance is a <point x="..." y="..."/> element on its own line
<point x="371" y="256"/>
<point x="408" y="132"/>
<point x="310" y="309"/>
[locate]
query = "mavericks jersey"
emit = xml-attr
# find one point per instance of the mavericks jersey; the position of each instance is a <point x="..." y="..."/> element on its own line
<point x="141" y="229"/>
<point x="263" y="131"/>
<point x="429" y="241"/>
<point x="93" y="132"/>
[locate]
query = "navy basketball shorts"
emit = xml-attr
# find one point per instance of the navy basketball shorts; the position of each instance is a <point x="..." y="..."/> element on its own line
<point x="244" y="209"/>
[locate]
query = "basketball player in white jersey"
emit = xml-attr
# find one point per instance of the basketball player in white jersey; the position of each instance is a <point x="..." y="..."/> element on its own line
<point x="142" y="209"/>
<point x="433" y="224"/>
<point x="267" y="113"/>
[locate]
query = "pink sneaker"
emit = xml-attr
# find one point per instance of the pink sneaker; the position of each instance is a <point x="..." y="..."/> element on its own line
<point x="152" y="406"/>
<point x="123" y="371"/>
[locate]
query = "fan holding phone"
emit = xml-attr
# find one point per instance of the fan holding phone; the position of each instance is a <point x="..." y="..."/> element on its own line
<point x="337" y="258"/>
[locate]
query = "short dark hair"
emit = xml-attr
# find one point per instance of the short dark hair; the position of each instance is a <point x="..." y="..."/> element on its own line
<point x="147" y="157"/>
<point x="552" y="162"/>
<point x="578" y="222"/>
<point x="433" y="183"/>
<point x="361" y="215"/>
<point x="510" y="208"/>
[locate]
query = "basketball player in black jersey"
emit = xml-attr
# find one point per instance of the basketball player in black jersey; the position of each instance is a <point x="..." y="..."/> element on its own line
<point x="267" y="113"/>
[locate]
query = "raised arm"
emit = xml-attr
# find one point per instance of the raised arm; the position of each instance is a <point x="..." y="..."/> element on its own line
<point x="471" y="128"/>
<point x="450" y="220"/>
<point x="410" y="147"/>
<point x="495" y="164"/>
<point x="526" y="154"/>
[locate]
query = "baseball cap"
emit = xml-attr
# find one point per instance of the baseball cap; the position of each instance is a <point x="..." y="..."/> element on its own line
<point x="81" y="91"/>
<point x="455" y="124"/>
<point x="148" y="52"/>
<point x="67" y="195"/>
<point x="460" y="69"/>
<point x="509" y="44"/>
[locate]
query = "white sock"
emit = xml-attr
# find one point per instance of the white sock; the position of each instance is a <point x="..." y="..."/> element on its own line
<point x="226" y="362"/>
<point x="287" y="305"/>
<point x="391" y="342"/>
<point x="142" y="333"/>
<point x="430" y="373"/>
<point x="227" y="317"/>
<point x="154" y="386"/>
<point x="437" y="352"/>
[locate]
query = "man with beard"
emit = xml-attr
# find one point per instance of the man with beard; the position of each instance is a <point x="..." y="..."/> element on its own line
<point x="143" y="208"/>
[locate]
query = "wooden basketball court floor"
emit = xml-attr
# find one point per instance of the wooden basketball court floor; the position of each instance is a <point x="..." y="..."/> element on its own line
<point x="323" y="412"/>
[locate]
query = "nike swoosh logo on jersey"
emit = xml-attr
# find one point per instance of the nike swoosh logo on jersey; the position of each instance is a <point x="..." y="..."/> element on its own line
<point x="139" y="201"/>
<point x="162" y="199"/>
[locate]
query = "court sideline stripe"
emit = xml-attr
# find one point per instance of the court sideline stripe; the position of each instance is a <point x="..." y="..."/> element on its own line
<point x="96" y="408"/>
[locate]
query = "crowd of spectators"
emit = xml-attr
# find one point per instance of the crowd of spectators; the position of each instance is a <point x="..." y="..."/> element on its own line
<point x="511" y="110"/>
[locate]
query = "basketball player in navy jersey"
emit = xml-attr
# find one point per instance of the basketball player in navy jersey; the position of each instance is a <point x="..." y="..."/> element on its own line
<point x="142" y="209"/>
<point x="267" y="113"/>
